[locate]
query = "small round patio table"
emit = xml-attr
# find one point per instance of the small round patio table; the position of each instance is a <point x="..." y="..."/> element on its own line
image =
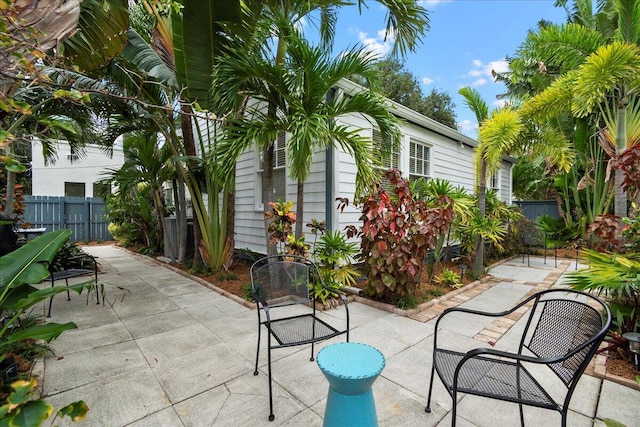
<point x="351" y="369"/>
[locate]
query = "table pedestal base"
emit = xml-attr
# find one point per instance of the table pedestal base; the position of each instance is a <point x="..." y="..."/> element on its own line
<point x="350" y="409"/>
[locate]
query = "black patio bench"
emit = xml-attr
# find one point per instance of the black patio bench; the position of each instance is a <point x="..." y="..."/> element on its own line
<point x="76" y="266"/>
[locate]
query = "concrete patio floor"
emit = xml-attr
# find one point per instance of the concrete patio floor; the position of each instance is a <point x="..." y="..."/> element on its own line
<point x="168" y="351"/>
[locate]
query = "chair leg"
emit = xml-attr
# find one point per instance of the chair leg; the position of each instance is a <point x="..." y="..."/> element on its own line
<point x="50" y="300"/>
<point x="454" y="411"/>
<point x="255" y="372"/>
<point x="271" y="416"/>
<point x="521" y="415"/>
<point x="312" y="358"/>
<point x="565" y="411"/>
<point x="427" y="409"/>
<point x="66" y="281"/>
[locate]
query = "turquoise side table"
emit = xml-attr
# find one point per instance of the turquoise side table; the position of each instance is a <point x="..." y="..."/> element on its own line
<point x="351" y="368"/>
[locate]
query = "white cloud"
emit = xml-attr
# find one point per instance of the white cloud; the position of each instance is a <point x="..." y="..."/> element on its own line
<point x="431" y="4"/>
<point x="427" y="80"/>
<point x="499" y="103"/>
<point x="377" y="46"/>
<point x="479" y="82"/>
<point x="498" y="66"/>
<point x="479" y="68"/>
<point x="467" y="126"/>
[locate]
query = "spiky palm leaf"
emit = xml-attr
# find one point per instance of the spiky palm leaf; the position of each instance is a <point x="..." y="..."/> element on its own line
<point x="101" y="34"/>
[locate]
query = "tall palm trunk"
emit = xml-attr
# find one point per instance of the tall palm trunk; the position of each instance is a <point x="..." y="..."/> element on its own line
<point x="267" y="192"/>
<point x="299" y="208"/>
<point x="620" y="197"/>
<point x="478" y="261"/>
<point x="190" y="150"/>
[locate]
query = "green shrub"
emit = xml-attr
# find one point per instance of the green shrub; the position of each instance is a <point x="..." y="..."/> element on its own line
<point x="447" y="278"/>
<point x="407" y="302"/>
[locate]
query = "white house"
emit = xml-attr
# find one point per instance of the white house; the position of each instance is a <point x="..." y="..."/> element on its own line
<point x="428" y="149"/>
<point x="69" y="175"/>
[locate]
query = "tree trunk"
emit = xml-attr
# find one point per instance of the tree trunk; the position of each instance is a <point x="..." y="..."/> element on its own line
<point x="231" y="211"/>
<point x="159" y="207"/>
<point x="190" y="150"/>
<point x="620" y="197"/>
<point x="10" y="195"/>
<point x="181" y="219"/>
<point x="299" y="209"/>
<point x="267" y="192"/>
<point x="478" y="261"/>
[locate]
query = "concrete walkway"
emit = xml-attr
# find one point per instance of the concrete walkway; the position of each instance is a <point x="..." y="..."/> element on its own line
<point x="168" y="351"/>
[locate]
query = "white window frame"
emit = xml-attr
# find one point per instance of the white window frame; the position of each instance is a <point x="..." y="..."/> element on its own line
<point x="394" y="161"/>
<point x="493" y="183"/>
<point x="414" y="171"/>
<point x="279" y="157"/>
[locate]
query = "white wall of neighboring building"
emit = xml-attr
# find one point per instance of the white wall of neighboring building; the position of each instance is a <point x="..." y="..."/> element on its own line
<point x="50" y="180"/>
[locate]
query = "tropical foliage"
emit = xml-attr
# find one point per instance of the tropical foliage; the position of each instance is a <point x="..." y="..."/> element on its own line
<point x="397" y="232"/>
<point x="579" y="81"/>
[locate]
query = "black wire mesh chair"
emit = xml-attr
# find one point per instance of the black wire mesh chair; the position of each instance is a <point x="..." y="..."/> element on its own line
<point x="563" y="331"/>
<point x="283" y="281"/>
<point x="533" y="238"/>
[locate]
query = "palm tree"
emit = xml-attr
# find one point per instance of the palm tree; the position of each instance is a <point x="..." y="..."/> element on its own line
<point x="479" y="107"/>
<point x="596" y="59"/>
<point x="148" y="163"/>
<point x="305" y="107"/>
<point x="407" y="21"/>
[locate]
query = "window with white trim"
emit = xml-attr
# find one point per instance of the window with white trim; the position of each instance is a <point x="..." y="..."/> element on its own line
<point x="494" y="182"/>
<point x="390" y="158"/>
<point x="279" y="171"/>
<point x="419" y="160"/>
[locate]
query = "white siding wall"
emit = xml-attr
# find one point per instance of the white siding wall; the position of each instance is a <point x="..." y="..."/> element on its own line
<point x="49" y="180"/>
<point x="249" y="225"/>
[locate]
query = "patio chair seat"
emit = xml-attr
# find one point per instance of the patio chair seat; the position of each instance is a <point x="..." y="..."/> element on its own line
<point x="492" y="378"/>
<point x="299" y="330"/>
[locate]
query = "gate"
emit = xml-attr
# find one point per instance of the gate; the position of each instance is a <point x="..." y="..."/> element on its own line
<point x="84" y="216"/>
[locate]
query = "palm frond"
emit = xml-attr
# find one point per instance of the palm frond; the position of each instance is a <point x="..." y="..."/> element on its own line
<point x="561" y="48"/>
<point x="628" y="21"/>
<point x="476" y="104"/>
<point x="498" y="136"/>
<point x="554" y="101"/>
<point x="101" y="34"/>
<point x="407" y="21"/>
<point x="603" y="71"/>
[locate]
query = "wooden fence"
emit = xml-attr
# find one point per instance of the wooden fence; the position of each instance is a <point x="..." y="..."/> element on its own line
<point x="534" y="208"/>
<point x="84" y="216"/>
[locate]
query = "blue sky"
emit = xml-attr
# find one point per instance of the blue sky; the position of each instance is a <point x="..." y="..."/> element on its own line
<point x="467" y="39"/>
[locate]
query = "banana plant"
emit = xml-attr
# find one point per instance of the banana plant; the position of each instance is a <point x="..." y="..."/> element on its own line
<point x="18" y="271"/>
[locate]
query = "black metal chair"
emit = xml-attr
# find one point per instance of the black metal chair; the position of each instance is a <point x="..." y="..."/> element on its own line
<point x="282" y="281"/>
<point x="533" y="238"/>
<point x="563" y="331"/>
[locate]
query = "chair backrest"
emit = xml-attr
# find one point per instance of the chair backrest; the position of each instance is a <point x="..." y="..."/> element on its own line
<point x="532" y="236"/>
<point x="570" y="325"/>
<point x="282" y="279"/>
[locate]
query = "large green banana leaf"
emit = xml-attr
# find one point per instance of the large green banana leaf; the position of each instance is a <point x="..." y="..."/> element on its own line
<point x="196" y="43"/>
<point x="18" y="269"/>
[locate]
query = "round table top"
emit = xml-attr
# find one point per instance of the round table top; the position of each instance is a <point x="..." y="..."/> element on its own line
<point x="350" y="360"/>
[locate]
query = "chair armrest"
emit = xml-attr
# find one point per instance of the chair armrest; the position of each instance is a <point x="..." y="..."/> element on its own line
<point x="509" y="355"/>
